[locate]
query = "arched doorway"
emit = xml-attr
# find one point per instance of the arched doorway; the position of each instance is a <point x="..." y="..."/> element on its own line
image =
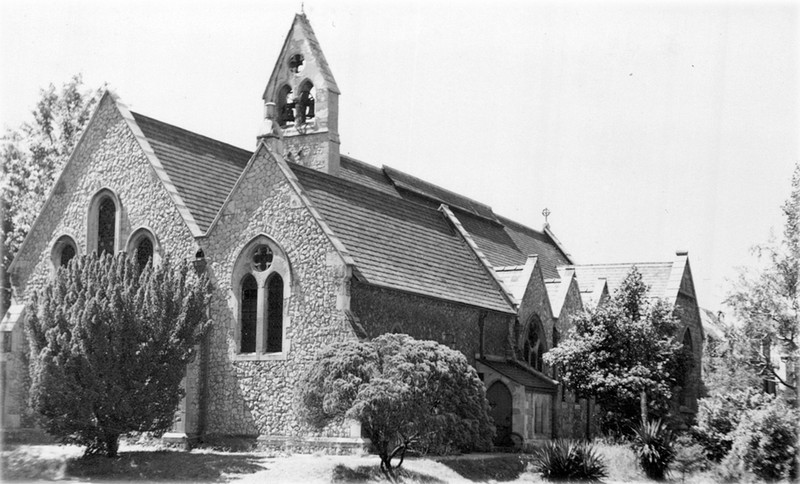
<point x="500" y="410"/>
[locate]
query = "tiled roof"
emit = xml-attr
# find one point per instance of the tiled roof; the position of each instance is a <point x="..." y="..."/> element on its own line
<point x="203" y="170"/>
<point x="654" y="274"/>
<point x="521" y="375"/>
<point x="400" y="244"/>
<point x="389" y="220"/>
<point x="503" y="241"/>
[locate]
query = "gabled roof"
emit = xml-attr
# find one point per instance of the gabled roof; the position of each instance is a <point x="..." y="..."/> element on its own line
<point x="401" y="244"/>
<point x="503" y="241"/>
<point x="558" y="288"/>
<point x="202" y="169"/>
<point x="302" y="27"/>
<point x="663" y="278"/>
<point x="389" y="221"/>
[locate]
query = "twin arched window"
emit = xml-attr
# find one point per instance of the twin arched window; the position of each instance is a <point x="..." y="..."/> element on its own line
<point x="261" y="273"/>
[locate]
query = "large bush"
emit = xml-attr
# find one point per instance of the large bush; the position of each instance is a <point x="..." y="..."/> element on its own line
<point x="718" y="417"/>
<point x="407" y="394"/>
<point x="109" y="344"/>
<point x="766" y="443"/>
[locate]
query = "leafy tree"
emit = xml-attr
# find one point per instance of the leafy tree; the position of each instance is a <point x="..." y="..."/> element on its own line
<point x="767" y="300"/>
<point x="109" y="343"/>
<point x="407" y="394"/>
<point x="726" y="367"/>
<point x="32" y="156"/>
<point x="621" y="352"/>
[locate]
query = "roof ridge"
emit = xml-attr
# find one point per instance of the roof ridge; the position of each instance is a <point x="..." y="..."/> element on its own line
<point x="193" y="133"/>
<point x="459" y="195"/>
<point x="618" y="264"/>
<point x="345" y="181"/>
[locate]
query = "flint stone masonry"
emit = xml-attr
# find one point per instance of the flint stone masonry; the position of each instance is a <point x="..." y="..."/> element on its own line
<point x="109" y="157"/>
<point x="384" y="311"/>
<point x="258" y="397"/>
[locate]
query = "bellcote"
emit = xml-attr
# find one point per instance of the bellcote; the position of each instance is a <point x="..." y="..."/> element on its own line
<point x="301" y="102"/>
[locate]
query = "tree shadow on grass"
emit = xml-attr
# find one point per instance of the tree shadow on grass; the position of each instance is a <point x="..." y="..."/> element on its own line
<point x="163" y="465"/>
<point x="501" y="468"/>
<point x="342" y="474"/>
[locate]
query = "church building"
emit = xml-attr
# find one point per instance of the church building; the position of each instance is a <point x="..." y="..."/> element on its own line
<point x="307" y="247"/>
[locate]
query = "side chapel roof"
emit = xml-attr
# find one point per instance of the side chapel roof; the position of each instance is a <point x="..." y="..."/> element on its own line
<point x="665" y="279"/>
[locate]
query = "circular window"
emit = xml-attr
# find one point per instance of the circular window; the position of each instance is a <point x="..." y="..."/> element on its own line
<point x="262" y="258"/>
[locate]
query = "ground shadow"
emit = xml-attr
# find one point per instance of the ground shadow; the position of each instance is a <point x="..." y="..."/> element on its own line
<point x="163" y="465"/>
<point x="342" y="474"/>
<point x="502" y="468"/>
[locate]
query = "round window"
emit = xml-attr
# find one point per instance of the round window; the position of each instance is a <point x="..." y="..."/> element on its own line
<point x="262" y="258"/>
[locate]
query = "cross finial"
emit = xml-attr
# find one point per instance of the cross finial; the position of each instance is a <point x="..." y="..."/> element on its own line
<point x="546" y="214"/>
<point x="302" y="8"/>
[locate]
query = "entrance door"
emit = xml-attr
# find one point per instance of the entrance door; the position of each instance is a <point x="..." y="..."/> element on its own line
<point x="500" y="410"/>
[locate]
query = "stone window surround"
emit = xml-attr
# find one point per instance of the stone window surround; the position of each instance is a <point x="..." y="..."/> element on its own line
<point x="243" y="266"/>
<point x="91" y="219"/>
<point x="55" y="251"/>
<point x="136" y="237"/>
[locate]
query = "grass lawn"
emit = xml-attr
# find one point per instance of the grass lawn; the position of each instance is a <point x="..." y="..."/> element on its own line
<point x="149" y="463"/>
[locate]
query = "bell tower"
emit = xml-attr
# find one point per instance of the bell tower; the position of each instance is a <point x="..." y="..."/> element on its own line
<point x="301" y="102"/>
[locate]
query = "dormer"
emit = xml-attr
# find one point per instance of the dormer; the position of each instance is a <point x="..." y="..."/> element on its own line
<point x="302" y="102"/>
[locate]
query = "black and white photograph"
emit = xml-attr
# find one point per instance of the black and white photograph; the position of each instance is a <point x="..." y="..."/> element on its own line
<point x="404" y="241"/>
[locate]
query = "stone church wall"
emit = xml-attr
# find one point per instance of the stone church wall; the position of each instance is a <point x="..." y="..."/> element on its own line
<point x="687" y="310"/>
<point x="257" y="397"/>
<point x="456" y="325"/>
<point x="109" y="157"/>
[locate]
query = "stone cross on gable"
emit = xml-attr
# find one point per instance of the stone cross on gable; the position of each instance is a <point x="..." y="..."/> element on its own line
<point x="546" y="214"/>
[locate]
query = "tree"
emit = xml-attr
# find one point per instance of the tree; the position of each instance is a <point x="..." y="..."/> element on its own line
<point x="109" y="344"/>
<point x="622" y="351"/>
<point x="767" y="300"/>
<point x="32" y="156"/>
<point x="405" y="393"/>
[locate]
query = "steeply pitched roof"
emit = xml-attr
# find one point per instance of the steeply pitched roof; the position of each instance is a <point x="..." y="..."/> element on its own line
<point x="203" y="170"/>
<point x="663" y="278"/>
<point x="387" y="219"/>
<point x="503" y="241"/>
<point x="400" y="244"/>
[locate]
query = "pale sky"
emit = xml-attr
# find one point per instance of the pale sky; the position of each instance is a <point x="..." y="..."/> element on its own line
<point x="643" y="128"/>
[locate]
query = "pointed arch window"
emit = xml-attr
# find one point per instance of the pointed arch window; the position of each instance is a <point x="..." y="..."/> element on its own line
<point x="106" y="226"/>
<point x="64" y="250"/>
<point x="103" y="224"/>
<point x="534" y="346"/>
<point x="261" y="276"/>
<point x="274" y="313"/>
<point x="144" y="245"/>
<point x="688" y="352"/>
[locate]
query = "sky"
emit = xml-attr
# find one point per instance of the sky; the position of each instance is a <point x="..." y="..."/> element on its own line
<point x="643" y="128"/>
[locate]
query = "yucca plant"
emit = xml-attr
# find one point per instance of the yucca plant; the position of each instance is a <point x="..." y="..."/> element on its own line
<point x="653" y="444"/>
<point x="568" y="460"/>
